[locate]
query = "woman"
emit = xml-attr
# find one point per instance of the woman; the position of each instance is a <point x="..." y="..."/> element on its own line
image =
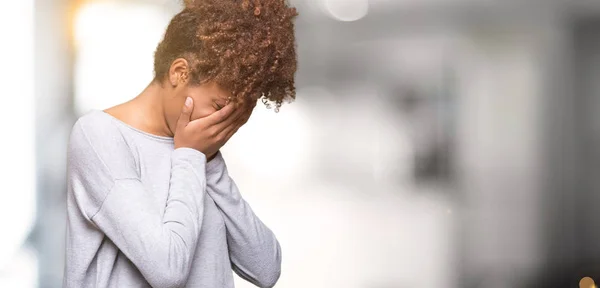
<point x="150" y="202"/>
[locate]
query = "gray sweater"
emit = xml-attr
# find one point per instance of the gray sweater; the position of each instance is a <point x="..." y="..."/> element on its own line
<point x="141" y="214"/>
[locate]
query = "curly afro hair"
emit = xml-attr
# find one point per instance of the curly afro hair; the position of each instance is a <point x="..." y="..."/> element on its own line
<point x="245" y="46"/>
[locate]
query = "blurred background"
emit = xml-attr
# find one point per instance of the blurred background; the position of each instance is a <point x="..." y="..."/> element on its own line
<point x="433" y="143"/>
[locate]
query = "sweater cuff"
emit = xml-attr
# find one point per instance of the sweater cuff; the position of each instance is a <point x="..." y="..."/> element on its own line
<point x="193" y="157"/>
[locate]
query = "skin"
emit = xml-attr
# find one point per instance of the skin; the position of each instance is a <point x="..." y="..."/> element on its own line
<point x="158" y="108"/>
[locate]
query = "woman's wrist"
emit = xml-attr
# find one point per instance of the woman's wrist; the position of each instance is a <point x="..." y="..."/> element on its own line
<point x="211" y="157"/>
<point x="215" y="165"/>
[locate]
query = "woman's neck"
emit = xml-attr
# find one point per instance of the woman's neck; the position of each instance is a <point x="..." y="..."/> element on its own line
<point x="145" y="112"/>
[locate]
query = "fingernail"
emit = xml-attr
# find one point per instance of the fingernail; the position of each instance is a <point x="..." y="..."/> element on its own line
<point x="188" y="101"/>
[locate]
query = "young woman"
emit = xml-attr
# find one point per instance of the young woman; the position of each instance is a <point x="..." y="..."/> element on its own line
<point x="150" y="202"/>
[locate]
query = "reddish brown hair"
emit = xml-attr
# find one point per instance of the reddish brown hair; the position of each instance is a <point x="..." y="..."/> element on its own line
<point x="245" y="46"/>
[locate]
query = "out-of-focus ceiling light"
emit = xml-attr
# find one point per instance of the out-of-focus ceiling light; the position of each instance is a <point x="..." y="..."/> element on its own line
<point x="342" y="10"/>
<point x="347" y="10"/>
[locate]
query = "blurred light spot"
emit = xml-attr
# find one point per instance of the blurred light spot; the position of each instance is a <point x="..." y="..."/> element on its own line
<point x="17" y="183"/>
<point x="347" y="10"/>
<point x="115" y="44"/>
<point x="587" y="282"/>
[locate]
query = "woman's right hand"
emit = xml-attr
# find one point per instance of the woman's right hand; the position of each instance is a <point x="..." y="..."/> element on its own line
<point x="207" y="134"/>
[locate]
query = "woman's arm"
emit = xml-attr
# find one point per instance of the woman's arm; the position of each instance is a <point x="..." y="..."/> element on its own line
<point x="253" y="249"/>
<point x="106" y="186"/>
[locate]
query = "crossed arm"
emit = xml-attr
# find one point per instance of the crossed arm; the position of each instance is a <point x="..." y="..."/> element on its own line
<point x="254" y="251"/>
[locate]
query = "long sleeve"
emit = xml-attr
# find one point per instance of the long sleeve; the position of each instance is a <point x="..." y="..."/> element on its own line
<point x="254" y="251"/>
<point x="106" y="187"/>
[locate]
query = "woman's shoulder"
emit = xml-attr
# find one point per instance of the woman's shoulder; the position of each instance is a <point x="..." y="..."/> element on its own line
<point x="96" y="138"/>
<point x="95" y="127"/>
<point x="95" y="119"/>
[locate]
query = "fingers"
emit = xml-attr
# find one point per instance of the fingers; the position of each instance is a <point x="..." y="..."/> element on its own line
<point x="220" y="115"/>
<point x="246" y="117"/>
<point x="233" y="119"/>
<point x="222" y="124"/>
<point x="217" y="121"/>
<point x="229" y="131"/>
<point x="230" y="120"/>
<point x="186" y="113"/>
<point x="245" y="112"/>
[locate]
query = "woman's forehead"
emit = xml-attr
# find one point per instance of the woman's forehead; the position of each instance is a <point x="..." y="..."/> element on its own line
<point x="211" y="91"/>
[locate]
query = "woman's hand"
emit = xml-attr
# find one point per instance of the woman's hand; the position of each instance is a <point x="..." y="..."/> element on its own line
<point x="210" y="133"/>
<point x="242" y="119"/>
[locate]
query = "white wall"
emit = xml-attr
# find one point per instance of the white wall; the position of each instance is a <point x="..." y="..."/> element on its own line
<point x="17" y="168"/>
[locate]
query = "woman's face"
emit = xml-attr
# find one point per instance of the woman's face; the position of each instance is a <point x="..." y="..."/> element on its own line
<point x="208" y="98"/>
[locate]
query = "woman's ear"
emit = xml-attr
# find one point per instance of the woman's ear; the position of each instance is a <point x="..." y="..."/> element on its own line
<point x="179" y="72"/>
